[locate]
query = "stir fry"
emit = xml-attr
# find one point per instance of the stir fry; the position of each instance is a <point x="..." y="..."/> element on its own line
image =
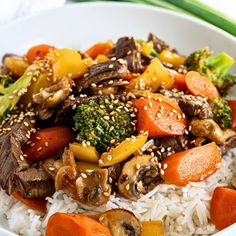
<point x="117" y="119"/>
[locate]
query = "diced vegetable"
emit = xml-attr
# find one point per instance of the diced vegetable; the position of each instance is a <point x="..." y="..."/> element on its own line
<point x="35" y="204"/>
<point x="47" y="142"/>
<point x="130" y="76"/>
<point x="9" y="96"/>
<point x="171" y="58"/>
<point x="100" y="48"/>
<point x="153" y="77"/>
<point x="68" y="62"/>
<point x="192" y="165"/>
<point x="159" y="118"/>
<point x="16" y="65"/>
<point x="223" y="207"/>
<point x="101" y="58"/>
<point x="152" y="228"/>
<point x="38" y="52"/>
<point x="180" y="81"/>
<point x="123" y="150"/>
<point x="74" y="224"/>
<point x="146" y="48"/>
<point x="201" y="86"/>
<point x="232" y="104"/>
<point x="84" y="153"/>
<point x="83" y="166"/>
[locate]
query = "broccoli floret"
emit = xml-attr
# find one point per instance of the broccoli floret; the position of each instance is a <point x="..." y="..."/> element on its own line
<point x="222" y="113"/>
<point x="215" y="68"/>
<point x="103" y="123"/>
<point x="9" y="92"/>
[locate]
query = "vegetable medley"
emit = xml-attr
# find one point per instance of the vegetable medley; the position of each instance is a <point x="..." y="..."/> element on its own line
<point x="117" y="119"/>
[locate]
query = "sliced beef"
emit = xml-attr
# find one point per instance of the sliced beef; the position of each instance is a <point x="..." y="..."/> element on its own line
<point x="158" y="43"/>
<point x="34" y="183"/>
<point x="194" y="106"/>
<point x="114" y="174"/>
<point x="101" y="72"/>
<point x="11" y="161"/>
<point x="127" y="49"/>
<point x="168" y="146"/>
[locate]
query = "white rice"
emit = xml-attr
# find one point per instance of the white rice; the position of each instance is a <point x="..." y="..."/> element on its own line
<point x="184" y="210"/>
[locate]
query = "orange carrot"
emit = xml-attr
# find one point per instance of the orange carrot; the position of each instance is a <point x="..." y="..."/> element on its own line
<point x="223" y="207"/>
<point x="100" y="48"/>
<point x="180" y="81"/>
<point x="192" y="165"/>
<point x="200" y="85"/>
<point x="159" y="118"/>
<point x="131" y="76"/>
<point x="68" y="224"/>
<point x="232" y="104"/>
<point x="38" y="52"/>
<point x="35" y="204"/>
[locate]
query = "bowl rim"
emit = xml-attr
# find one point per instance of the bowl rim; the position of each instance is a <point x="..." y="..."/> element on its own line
<point x="128" y="5"/>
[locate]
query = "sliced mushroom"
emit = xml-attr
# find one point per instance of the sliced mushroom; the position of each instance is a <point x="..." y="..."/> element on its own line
<point x="121" y="222"/>
<point x="209" y="129"/>
<point x="230" y="137"/>
<point x="139" y="176"/>
<point x="54" y="95"/>
<point x="93" y="188"/>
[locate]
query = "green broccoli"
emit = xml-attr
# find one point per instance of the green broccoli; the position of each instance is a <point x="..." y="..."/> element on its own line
<point x="9" y="92"/>
<point x="222" y="113"/>
<point x="215" y="68"/>
<point x="103" y="123"/>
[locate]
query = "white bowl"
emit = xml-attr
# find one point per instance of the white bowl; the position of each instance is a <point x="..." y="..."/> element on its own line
<point x="80" y="25"/>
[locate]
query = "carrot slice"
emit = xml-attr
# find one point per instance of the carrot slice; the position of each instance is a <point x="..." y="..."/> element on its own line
<point x="35" y="204"/>
<point x="68" y="224"/>
<point x="223" y="207"/>
<point x="192" y="165"/>
<point x="159" y="118"/>
<point x="47" y="142"/>
<point x="100" y="49"/>
<point x="38" y="52"/>
<point x="200" y="85"/>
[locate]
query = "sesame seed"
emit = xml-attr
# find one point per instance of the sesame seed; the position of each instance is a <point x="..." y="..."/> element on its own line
<point x="26" y="124"/>
<point x="165" y="166"/>
<point x="162" y="172"/>
<point x="38" y="138"/>
<point x="74" y="107"/>
<point x="84" y="144"/>
<point x="127" y="187"/>
<point x="88" y="143"/>
<point x="137" y="166"/>
<point x="84" y="175"/>
<point x="106" y="117"/>
<point x="145" y="108"/>
<point x="158" y="115"/>
<point x="111" y="82"/>
<point x="46" y="144"/>
<point x="113" y="58"/>
<point x="100" y="162"/>
<point x="112" y="141"/>
<point x="39" y="149"/>
<point x="51" y="168"/>
<point x="93" y="85"/>
<point x="32" y="144"/>
<point x="22" y="157"/>
<point x="162" y="149"/>
<point x="111" y="66"/>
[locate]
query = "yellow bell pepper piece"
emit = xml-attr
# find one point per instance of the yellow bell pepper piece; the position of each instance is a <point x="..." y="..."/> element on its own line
<point x="152" y="228"/>
<point x="68" y="62"/>
<point x="153" y="77"/>
<point x="122" y="151"/>
<point x="83" y="166"/>
<point x="84" y="153"/>
<point x="171" y="57"/>
<point x="147" y="48"/>
<point x="101" y="58"/>
<point x="16" y="65"/>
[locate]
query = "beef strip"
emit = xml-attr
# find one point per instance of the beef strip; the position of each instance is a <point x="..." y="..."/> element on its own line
<point x="159" y="44"/>
<point x="101" y="72"/>
<point x="127" y="49"/>
<point x="114" y="174"/>
<point x="34" y="183"/>
<point x="171" y="145"/>
<point x="194" y="106"/>
<point x="11" y="161"/>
